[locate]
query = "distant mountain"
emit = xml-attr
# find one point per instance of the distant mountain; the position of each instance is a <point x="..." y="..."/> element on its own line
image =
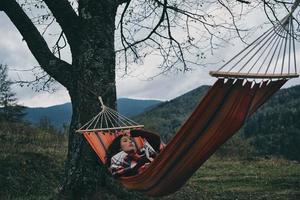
<point x="58" y="115"/>
<point x="133" y="107"/>
<point x="61" y="114"/>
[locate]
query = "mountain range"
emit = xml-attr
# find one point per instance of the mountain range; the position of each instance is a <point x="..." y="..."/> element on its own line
<point x="59" y="115"/>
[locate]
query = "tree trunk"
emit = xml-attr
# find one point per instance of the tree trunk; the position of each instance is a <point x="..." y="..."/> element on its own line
<point x="94" y="75"/>
<point x="84" y="172"/>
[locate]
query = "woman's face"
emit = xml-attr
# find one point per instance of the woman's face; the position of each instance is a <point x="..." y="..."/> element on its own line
<point x="127" y="144"/>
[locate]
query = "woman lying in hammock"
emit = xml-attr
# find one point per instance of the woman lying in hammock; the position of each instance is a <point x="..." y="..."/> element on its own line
<point x="124" y="159"/>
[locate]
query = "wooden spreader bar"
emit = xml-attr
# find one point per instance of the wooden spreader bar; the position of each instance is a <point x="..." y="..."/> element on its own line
<point x="252" y="75"/>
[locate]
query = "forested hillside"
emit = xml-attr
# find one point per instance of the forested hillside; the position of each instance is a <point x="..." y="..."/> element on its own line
<point x="274" y="129"/>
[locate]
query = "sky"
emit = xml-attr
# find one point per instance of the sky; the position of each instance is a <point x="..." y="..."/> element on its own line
<point x="15" y="53"/>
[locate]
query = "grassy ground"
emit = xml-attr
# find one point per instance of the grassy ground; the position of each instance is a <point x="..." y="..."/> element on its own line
<point x="31" y="162"/>
<point x="235" y="179"/>
<point x="31" y="166"/>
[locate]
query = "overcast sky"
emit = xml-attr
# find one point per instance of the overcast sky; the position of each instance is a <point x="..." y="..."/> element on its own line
<point x="14" y="52"/>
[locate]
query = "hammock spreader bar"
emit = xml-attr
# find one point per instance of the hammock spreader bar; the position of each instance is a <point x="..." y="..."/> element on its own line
<point x="270" y="56"/>
<point x="108" y="120"/>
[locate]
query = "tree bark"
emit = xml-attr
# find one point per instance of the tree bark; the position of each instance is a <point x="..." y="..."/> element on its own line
<point x="94" y="74"/>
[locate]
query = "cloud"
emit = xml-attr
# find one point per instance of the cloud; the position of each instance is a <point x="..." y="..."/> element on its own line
<point x="45" y="99"/>
<point x="163" y="87"/>
<point x="12" y="46"/>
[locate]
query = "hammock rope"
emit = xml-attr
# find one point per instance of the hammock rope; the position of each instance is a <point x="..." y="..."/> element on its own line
<point x="108" y="120"/>
<point x="261" y="58"/>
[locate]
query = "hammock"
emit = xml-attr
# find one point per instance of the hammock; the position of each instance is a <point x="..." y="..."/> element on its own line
<point x="236" y="95"/>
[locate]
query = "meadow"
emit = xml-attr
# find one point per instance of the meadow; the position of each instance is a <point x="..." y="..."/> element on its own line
<point x="32" y="166"/>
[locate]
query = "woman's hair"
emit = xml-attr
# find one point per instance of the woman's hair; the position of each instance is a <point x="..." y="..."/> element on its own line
<point x="115" y="146"/>
<point x="113" y="149"/>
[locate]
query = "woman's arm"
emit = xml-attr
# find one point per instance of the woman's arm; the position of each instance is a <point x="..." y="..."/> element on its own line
<point x="152" y="138"/>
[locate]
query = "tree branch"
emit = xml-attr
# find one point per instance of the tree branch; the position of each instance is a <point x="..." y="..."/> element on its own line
<point x="119" y="2"/>
<point x="131" y="45"/>
<point x="233" y="20"/>
<point x="55" y="67"/>
<point x="242" y="1"/>
<point x="67" y="19"/>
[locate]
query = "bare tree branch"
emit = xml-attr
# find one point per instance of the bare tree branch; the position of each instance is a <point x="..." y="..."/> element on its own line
<point x="36" y="43"/>
<point x="67" y="19"/>
<point x="268" y="5"/>
<point x="119" y="2"/>
<point x="130" y="45"/>
<point x="242" y="1"/>
<point x="58" y="47"/>
<point x="41" y="82"/>
<point x="162" y="16"/>
<point x="172" y="39"/>
<point x="233" y="20"/>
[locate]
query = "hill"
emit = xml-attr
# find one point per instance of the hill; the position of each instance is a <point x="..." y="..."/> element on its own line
<point x="58" y="115"/>
<point x="133" y="107"/>
<point x="275" y="128"/>
<point x="61" y="114"/>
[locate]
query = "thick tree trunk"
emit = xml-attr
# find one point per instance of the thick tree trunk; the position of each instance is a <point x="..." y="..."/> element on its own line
<point x="84" y="173"/>
<point x="94" y="74"/>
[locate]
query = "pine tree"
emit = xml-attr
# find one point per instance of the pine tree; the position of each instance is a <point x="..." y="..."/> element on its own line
<point x="10" y="111"/>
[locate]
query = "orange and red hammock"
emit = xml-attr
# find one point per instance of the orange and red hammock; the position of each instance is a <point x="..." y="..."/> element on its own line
<point x="219" y="115"/>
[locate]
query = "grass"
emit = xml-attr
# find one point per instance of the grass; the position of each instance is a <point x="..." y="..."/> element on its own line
<point x="31" y="167"/>
<point x="31" y="162"/>
<point x="236" y="179"/>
